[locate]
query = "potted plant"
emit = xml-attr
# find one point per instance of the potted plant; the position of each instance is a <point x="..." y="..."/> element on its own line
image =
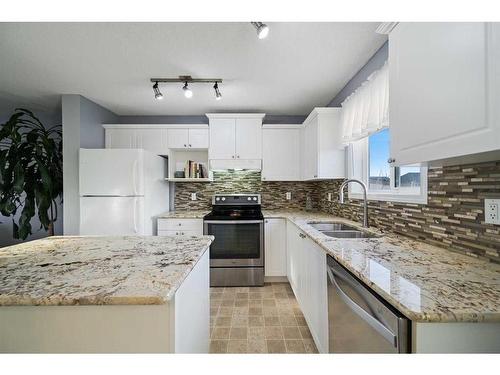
<point x="30" y="172"/>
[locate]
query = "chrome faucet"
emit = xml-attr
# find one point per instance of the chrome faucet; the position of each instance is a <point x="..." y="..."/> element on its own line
<point x="365" y="208"/>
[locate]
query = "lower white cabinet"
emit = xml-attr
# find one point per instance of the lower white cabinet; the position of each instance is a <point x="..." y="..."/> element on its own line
<point x="180" y="227"/>
<point x="275" y="247"/>
<point x="306" y="272"/>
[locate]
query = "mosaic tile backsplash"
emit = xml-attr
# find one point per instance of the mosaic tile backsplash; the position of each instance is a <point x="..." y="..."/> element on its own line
<point x="453" y="217"/>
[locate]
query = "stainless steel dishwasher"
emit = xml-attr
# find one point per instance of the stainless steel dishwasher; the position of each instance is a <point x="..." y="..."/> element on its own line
<point x="358" y="320"/>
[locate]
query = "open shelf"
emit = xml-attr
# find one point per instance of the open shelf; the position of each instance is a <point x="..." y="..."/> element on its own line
<point x="182" y="179"/>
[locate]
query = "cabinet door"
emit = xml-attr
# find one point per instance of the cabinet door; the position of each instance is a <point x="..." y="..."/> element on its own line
<point x="443" y="78"/>
<point x="153" y="140"/>
<point x="280" y="156"/>
<point x="275" y="247"/>
<point x="310" y="150"/>
<point x="248" y="138"/>
<point x="316" y="292"/>
<point x="198" y="138"/>
<point x="178" y="138"/>
<point x="222" y="139"/>
<point x="121" y="138"/>
<point x="293" y="240"/>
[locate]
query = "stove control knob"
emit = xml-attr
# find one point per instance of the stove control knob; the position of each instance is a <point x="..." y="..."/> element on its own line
<point x="223" y="198"/>
<point x="217" y="199"/>
<point x="254" y="198"/>
<point x="249" y="198"/>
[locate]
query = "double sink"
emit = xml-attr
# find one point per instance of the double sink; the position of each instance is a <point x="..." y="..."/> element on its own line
<point x="340" y="230"/>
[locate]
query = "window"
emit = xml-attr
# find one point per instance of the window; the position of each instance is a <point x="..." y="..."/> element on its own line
<point x="368" y="161"/>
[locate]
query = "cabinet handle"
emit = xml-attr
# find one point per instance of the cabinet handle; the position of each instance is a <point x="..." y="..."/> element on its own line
<point x="391" y="160"/>
<point x="238" y="156"/>
<point x="315" y="175"/>
<point x="182" y="233"/>
<point x="233" y="156"/>
<point x="176" y="233"/>
<point x="302" y="235"/>
<point x="185" y="145"/>
<point x="266" y="221"/>
<point x="180" y="224"/>
<point x="189" y="145"/>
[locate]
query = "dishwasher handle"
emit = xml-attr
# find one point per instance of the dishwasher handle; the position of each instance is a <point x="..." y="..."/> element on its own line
<point x="372" y="321"/>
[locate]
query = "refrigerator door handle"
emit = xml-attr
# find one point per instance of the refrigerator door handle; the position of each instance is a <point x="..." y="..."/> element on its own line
<point x="135" y="215"/>
<point x="358" y="310"/>
<point x="134" y="176"/>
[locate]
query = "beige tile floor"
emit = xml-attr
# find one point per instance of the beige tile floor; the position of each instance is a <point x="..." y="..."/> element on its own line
<point x="258" y="320"/>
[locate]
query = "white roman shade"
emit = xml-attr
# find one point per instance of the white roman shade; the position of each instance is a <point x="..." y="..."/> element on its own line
<point x="366" y="110"/>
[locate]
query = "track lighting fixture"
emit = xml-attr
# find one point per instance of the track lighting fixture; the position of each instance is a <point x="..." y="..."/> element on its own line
<point x="188" y="93"/>
<point x="158" y="94"/>
<point x="262" y="29"/>
<point x="218" y="95"/>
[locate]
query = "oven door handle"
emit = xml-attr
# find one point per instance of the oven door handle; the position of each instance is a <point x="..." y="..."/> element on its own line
<point x="233" y="221"/>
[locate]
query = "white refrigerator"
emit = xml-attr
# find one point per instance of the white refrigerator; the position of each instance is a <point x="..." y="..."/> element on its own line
<point x="121" y="191"/>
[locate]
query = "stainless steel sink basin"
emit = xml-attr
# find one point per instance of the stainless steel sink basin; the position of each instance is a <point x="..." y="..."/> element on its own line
<point x="348" y="234"/>
<point x="331" y="226"/>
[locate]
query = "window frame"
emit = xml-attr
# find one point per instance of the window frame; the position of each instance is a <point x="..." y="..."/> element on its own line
<point x="395" y="194"/>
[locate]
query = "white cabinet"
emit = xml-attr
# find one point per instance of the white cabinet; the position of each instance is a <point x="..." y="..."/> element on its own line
<point x="191" y="138"/>
<point x="322" y="151"/>
<point x="444" y="90"/>
<point x="222" y="138"/>
<point x="121" y="138"/>
<point x="275" y="247"/>
<point x="180" y="227"/>
<point x="154" y="140"/>
<point x="280" y="152"/>
<point x="235" y="137"/>
<point x="306" y="272"/>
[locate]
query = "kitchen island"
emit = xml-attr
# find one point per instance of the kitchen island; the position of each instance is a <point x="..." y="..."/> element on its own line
<point x="105" y="295"/>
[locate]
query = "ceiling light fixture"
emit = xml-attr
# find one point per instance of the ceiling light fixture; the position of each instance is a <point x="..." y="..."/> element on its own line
<point x="262" y="29"/>
<point x="158" y="94"/>
<point x="218" y="95"/>
<point x="187" y="91"/>
<point x="187" y="80"/>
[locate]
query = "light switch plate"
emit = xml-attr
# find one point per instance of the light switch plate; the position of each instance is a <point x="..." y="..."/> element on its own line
<point x="329" y="197"/>
<point x="288" y="196"/>
<point x="492" y="211"/>
<point x="193" y="196"/>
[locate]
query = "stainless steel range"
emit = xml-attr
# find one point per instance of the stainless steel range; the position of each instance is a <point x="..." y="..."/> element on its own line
<point x="237" y="254"/>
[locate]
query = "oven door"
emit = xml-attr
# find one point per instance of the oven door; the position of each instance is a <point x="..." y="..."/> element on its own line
<point x="238" y="243"/>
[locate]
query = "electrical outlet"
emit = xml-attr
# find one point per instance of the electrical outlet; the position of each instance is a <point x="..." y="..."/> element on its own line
<point x="492" y="211"/>
<point x="288" y="196"/>
<point x="193" y="196"/>
<point x="329" y="197"/>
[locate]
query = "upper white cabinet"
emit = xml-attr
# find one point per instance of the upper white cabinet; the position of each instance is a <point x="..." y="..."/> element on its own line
<point x="322" y="151"/>
<point x="444" y="90"/>
<point x="157" y="138"/>
<point x="280" y="152"/>
<point x="192" y="138"/>
<point x="235" y="137"/>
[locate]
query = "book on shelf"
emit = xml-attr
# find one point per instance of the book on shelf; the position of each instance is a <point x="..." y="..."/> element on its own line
<point x="194" y="169"/>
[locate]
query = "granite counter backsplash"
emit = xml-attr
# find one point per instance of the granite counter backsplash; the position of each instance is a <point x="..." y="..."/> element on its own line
<point x="453" y="217"/>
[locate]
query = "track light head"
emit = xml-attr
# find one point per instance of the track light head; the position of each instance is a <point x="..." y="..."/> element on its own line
<point x="218" y="95"/>
<point x="262" y="29"/>
<point x="187" y="91"/>
<point x="156" y="90"/>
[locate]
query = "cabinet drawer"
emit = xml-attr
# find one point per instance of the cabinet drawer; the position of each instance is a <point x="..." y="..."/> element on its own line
<point x="181" y="224"/>
<point x="179" y="232"/>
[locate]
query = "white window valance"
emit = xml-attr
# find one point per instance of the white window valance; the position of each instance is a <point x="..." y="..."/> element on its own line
<point x="366" y="110"/>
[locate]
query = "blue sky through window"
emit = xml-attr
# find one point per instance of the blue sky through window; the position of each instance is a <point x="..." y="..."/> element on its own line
<point x="379" y="153"/>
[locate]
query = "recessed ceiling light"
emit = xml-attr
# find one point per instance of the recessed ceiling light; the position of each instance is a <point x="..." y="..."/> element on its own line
<point x="262" y="29"/>
<point x="158" y="94"/>
<point x="187" y="91"/>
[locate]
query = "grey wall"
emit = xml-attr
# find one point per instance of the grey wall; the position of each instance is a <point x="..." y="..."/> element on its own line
<point x="375" y="62"/>
<point x="82" y="122"/>
<point x="202" y="119"/>
<point x="48" y="119"/>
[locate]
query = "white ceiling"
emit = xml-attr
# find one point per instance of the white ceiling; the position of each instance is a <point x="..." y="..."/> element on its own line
<point x="299" y="66"/>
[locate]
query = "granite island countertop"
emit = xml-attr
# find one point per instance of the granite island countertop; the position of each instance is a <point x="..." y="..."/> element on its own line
<point x="426" y="283"/>
<point x="95" y="270"/>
